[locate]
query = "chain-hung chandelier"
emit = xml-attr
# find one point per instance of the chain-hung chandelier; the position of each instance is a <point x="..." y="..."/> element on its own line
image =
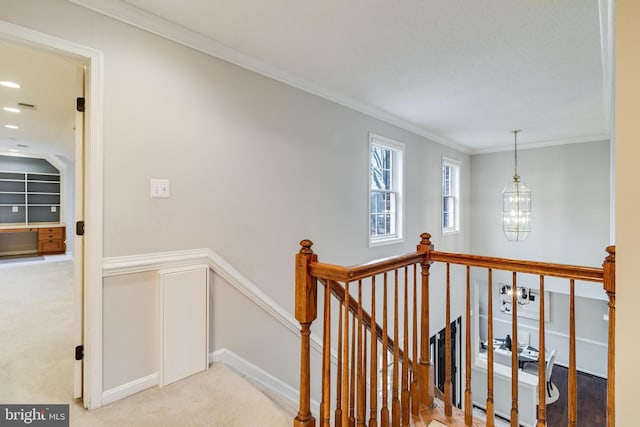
<point x="516" y="204"/>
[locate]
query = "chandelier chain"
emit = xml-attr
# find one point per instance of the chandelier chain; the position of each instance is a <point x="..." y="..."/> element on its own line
<point x="515" y="152"/>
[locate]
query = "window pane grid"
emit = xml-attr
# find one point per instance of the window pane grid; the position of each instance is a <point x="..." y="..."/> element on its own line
<point x="446" y="181"/>
<point x="450" y="196"/>
<point x="383" y="214"/>
<point x="448" y="213"/>
<point x="381" y="173"/>
<point x="384" y="169"/>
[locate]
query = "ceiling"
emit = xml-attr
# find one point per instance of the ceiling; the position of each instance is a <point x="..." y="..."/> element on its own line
<point x="457" y="72"/>
<point x="50" y="82"/>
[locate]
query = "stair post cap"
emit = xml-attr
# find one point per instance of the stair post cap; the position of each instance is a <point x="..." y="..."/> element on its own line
<point x="306" y="246"/>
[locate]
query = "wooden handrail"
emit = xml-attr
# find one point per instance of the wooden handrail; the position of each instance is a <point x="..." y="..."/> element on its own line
<point x="352" y="366"/>
<point x="362" y="271"/>
<point x="588" y="274"/>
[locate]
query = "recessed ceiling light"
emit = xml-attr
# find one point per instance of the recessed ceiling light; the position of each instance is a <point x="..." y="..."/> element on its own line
<point x="13" y="150"/>
<point x="11" y="126"/>
<point x="11" y="109"/>
<point x="12" y="85"/>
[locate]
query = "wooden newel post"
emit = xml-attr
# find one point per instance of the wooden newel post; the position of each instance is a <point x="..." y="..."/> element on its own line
<point x="424" y="369"/>
<point x="609" y="284"/>
<point x="306" y="311"/>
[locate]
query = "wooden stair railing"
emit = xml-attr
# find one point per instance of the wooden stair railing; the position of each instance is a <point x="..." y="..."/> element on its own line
<point x="412" y="378"/>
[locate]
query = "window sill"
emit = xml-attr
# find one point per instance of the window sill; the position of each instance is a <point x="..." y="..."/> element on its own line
<point x="384" y="242"/>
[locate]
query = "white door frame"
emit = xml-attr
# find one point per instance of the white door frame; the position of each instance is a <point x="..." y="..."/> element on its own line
<point x="93" y="200"/>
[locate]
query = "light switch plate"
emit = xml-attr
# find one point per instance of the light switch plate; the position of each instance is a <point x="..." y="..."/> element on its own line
<point x="159" y="188"/>
<point x="14" y="209"/>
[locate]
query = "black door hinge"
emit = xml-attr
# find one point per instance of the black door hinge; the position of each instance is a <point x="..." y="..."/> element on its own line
<point x="79" y="352"/>
<point x="80" y="228"/>
<point x="80" y="104"/>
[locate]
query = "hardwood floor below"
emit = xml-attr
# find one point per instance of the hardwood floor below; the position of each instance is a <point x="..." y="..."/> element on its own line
<point x="592" y="400"/>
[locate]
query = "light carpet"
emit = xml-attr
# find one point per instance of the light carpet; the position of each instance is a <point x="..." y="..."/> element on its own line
<point x="36" y="364"/>
<point x="36" y="332"/>
<point x="217" y="397"/>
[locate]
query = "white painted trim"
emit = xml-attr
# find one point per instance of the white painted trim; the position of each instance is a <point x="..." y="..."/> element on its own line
<point x="168" y="373"/>
<point x="262" y="300"/>
<point x="259" y="375"/>
<point x="138" y="18"/>
<point x="93" y="199"/>
<point x="547" y="331"/>
<point x="544" y="144"/>
<point x="561" y="361"/>
<point x="450" y="161"/>
<point x="130" y="264"/>
<point x="399" y="174"/>
<point x="129" y="389"/>
<point x="229" y="358"/>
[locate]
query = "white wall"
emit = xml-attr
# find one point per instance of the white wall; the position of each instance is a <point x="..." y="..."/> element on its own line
<point x="255" y="166"/>
<point x="570" y="207"/>
<point x="570" y="203"/>
<point x="591" y="327"/>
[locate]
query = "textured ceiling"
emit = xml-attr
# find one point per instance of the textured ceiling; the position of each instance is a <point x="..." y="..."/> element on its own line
<point x="458" y="72"/>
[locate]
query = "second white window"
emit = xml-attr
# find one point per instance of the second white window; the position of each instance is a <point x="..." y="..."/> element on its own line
<point x="450" y="195"/>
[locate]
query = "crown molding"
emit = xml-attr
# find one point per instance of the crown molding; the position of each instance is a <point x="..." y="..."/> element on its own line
<point x="124" y="12"/>
<point x="544" y="144"/>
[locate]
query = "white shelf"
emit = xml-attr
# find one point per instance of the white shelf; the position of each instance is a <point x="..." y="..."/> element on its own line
<point x="34" y="193"/>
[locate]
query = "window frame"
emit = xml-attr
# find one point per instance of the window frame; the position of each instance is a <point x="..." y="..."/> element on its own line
<point x="454" y="181"/>
<point x="397" y="188"/>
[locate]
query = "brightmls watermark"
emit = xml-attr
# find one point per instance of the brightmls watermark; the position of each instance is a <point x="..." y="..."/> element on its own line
<point x="54" y="415"/>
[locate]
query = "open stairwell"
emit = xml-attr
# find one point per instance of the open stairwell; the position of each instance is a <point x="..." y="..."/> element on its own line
<point x="378" y="358"/>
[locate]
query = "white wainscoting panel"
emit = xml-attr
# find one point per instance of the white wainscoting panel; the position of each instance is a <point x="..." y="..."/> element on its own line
<point x="184" y="322"/>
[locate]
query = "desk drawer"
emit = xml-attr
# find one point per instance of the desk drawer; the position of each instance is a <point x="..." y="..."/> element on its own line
<point x="50" y="233"/>
<point x="50" y="246"/>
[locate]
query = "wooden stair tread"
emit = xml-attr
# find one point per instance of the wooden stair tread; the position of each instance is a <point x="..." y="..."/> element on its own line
<point x="426" y="415"/>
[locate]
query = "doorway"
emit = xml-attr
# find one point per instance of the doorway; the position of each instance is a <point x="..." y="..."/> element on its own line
<point x="39" y="163"/>
<point x="87" y="206"/>
<point x="438" y="352"/>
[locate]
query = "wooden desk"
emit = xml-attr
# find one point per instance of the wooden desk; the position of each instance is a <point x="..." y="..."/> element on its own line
<point x="51" y="240"/>
<point x="43" y="240"/>
<point x="526" y="354"/>
<point x="527" y="391"/>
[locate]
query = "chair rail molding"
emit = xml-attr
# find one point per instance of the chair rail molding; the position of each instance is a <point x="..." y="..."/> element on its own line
<point x="139" y="263"/>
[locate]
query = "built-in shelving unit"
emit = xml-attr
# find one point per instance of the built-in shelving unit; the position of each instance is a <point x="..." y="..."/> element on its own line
<point x="30" y="207"/>
<point x="28" y="198"/>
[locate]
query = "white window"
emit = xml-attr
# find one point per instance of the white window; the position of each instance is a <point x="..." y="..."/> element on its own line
<point x="450" y="195"/>
<point x="385" y="190"/>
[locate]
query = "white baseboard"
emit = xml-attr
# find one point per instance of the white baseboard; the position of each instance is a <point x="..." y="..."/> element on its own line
<point x="131" y="264"/>
<point x="130" y="388"/>
<point x="259" y="375"/>
<point x="229" y="358"/>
